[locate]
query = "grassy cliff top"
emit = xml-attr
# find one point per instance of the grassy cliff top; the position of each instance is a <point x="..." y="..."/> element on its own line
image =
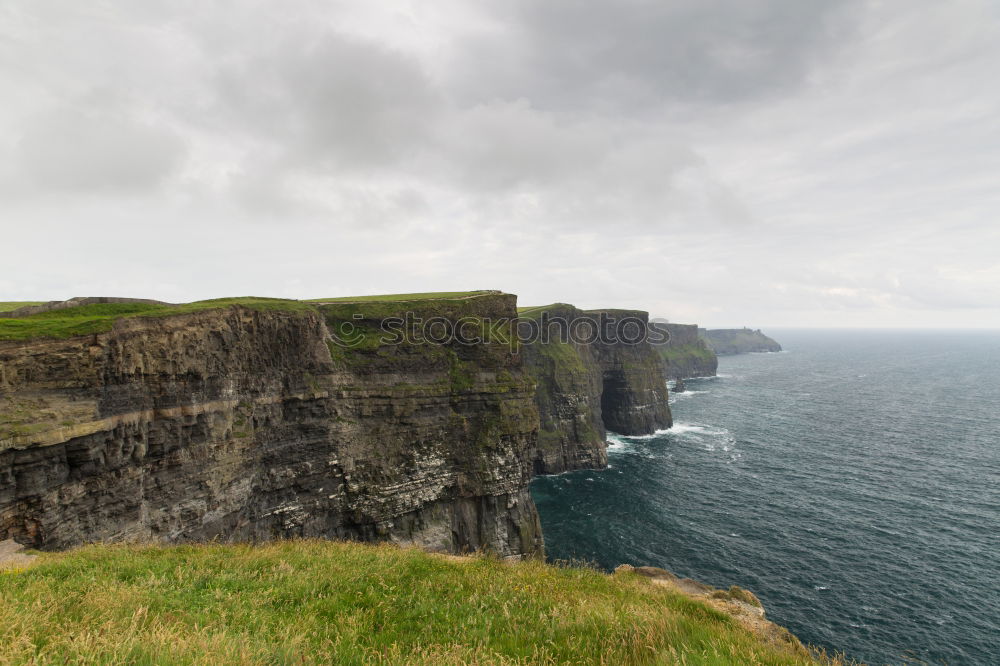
<point x="537" y="310"/>
<point x="335" y="602"/>
<point x="7" y="306"/>
<point x="100" y="317"/>
<point x="419" y="296"/>
<point x="738" y="340"/>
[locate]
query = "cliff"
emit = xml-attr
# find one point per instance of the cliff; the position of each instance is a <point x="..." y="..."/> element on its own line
<point x="685" y="353"/>
<point x="634" y="400"/>
<point x="253" y="419"/>
<point x="587" y="385"/>
<point x="569" y="385"/>
<point x="244" y="421"/>
<point x="738" y="341"/>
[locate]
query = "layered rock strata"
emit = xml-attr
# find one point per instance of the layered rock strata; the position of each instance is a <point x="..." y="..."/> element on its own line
<point x="247" y="424"/>
<point x="266" y="420"/>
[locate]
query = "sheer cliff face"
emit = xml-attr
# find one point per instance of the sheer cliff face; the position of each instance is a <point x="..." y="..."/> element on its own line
<point x="242" y="424"/>
<point x="685" y="353"/>
<point x="586" y="388"/>
<point x="571" y="433"/>
<point x="634" y="401"/>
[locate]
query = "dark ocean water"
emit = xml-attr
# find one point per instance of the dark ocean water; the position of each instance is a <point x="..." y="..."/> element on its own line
<point x="852" y="482"/>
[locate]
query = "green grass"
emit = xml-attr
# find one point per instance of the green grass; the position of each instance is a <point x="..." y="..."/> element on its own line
<point x="100" y="317"/>
<point x="66" y="323"/>
<point x="7" y="306"/>
<point x="343" y="603"/>
<point x="97" y="318"/>
<point x="422" y="296"/>
<point x="535" y="311"/>
<point x="683" y="352"/>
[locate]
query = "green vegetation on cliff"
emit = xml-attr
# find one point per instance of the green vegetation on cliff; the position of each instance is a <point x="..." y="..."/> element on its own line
<point x="7" y="306"/>
<point x="420" y="296"/>
<point x="345" y="603"/>
<point x="673" y="354"/>
<point x="100" y="317"/>
<point x="738" y="341"/>
<point x="81" y="320"/>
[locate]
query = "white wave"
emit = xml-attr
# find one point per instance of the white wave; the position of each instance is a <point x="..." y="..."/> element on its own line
<point x="648" y="437"/>
<point x="674" y="397"/>
<point x="615" y="442"/>
<point x="633" y="444"/>
<point x="711" y="438"/>
<point x="683" y="428"/>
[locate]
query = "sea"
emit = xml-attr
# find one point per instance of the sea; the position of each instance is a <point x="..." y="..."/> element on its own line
<point x="852" y="482"/>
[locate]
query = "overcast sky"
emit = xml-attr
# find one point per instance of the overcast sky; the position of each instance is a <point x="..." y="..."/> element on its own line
<point x="725" y="162"/>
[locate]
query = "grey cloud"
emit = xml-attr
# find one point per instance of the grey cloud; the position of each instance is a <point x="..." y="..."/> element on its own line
<point x="615" y="55"/>
<point x="330" y="100"/>
<point x="86" y="149"/>
<point x="719" y="161"/>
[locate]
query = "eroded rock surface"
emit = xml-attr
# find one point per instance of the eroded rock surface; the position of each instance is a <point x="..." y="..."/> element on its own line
<point x="241" y="424"/>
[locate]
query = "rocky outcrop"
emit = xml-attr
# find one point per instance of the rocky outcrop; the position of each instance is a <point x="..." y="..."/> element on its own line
<point x="738" y="341"/>
<point x="685" y="353"/>
<point x="587" y="384"/>
<point x="12" y="556"/>
<point x="740" y="604"/>
<point x="247" y="424"/>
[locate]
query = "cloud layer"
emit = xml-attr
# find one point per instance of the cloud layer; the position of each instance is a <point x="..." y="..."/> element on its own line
<point x="725" y="162"/>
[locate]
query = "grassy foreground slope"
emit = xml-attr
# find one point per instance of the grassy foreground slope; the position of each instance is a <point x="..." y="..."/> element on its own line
<point x="344" y="603"/>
